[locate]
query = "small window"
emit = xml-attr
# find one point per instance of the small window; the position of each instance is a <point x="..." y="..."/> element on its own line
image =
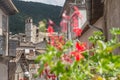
<point x="1" y="45"/>
<point x="37" y="31"/>
<point x="36" y="35"/>
<point x="27" y="51"/>
<point x="80" y="1"/>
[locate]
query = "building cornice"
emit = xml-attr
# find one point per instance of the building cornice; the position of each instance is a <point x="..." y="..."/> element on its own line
<point x="8" y="7"/>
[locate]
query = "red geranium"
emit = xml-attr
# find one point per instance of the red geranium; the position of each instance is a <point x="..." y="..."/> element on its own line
<point x="77" y="31"/>
<point x="64" y="22"/>
<point x="50" y="29"/>
<point x="78" y="52"/>
<point x="80" y="46"/>
<point x="76" y="14"/>
<point x="78" y="55"/>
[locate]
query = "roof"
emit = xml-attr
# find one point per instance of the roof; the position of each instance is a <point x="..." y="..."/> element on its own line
<point x="66" y="6"/>
<point x="41" y="45"/>
<point x="26" y="44"/>
<point x="8" y="7"/>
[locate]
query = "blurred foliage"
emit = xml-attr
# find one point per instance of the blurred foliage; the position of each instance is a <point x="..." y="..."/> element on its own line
<point x="102" y="64"/>
<point x="42" y="25"/>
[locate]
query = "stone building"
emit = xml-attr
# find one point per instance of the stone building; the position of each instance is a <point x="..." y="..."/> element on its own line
<point x="28" y="46"/>
<point x="7" y="8"/>
<point x="26" y="53"/>
<point x="30" y="30"/>
<point x="32" y="33"/>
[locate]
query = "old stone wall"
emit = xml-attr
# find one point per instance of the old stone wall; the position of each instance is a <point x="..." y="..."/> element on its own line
<point x="112" y="16"/>
<point x="3" y="69"/>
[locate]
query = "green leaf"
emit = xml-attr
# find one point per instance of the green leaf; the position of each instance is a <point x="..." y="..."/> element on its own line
<point x="41" y="68"/>
<point x="113" y="47"/>
<point x="58" y="68"/>
<point x="101" y="44"/>
<point x="37" y="60"/>
<point x="115" y="31"/>
<point x="69" y="44"/>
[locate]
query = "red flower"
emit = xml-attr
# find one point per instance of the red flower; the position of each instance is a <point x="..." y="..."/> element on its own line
<point x="65" y="16"/>
<point x="64" y="22"/>
<point x="76" y="14"/>
<point x="77" y="31"/>
<point x="50" y="29"/>
<point x="53" y="76"/>
<point x="75" y="22"/>
<point x="80" y="47"/>
<point x="64" y="25"/>
<point x="77" y="55"/>
<point x="74" y="53"/>
<point x="61" y="39"/>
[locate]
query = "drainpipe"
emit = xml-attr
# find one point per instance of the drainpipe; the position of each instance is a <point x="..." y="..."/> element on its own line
<point x="8" y="70"/>
<point x="105" y="20"/>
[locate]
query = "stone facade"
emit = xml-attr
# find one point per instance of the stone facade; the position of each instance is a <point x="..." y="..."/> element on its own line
<point x="30" y="30"/>
<point x="6" y="8"/>
<point x="3" y="69"/>
<point x="112" y="18"/>
<point x="4" y="32"/>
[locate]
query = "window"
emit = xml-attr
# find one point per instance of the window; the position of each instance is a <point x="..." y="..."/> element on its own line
<point x="27" y="51"/>
<point x="4" y="43"/>
<point x="80" y="1"/>
<point x="12" y="47"/>
<point x="1" y="45"/>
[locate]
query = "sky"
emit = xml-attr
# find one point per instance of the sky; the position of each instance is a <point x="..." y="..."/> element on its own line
<point x="53" y="2"/>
